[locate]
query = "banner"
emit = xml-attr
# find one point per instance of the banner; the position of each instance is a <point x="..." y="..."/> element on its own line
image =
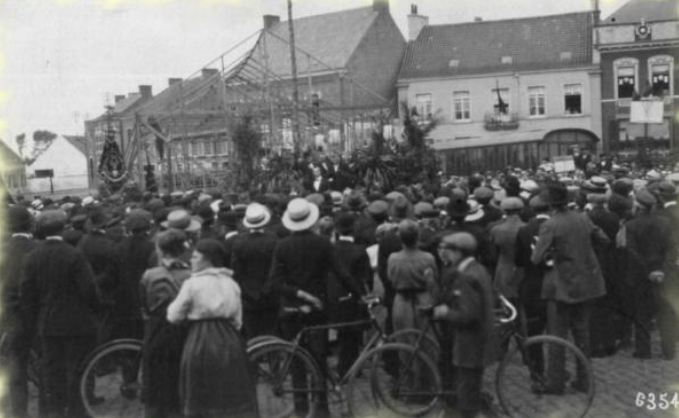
<point x="646" y="111"/>
<point x="563" y="164"/>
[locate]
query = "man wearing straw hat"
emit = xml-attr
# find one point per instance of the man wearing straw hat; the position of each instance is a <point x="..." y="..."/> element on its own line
<point x="251" y="261"/>
<point x="299" y="273"/>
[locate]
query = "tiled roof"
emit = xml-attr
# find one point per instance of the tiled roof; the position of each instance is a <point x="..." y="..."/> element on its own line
<point x="650" y="10"/>
<point x="126" y="103"/>
<point x="78" y="142"/>
<point x="330" y="38"/>
<point x="479" y="47"/>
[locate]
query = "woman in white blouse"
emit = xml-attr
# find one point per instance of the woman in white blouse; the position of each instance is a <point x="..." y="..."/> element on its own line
<point x="214" y="377"/>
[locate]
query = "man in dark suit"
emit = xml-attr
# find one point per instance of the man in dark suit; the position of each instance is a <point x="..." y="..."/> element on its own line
<point x="299" y="272"/>
<point x="467" y="306"/>
<point x="649" y="242"/>
<point x="16" y="248"/>
<point x="251" y="262"/>
<point x="60" y="298"/>
<point x="530" y="289"/>
<point x="102" y="254"/>
<point x="133" y="252"/>
<point x="569" y="236"/>
<point x="355" y="258"/>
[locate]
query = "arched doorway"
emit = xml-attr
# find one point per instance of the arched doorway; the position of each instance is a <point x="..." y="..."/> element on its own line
<point x="563" y="141"/>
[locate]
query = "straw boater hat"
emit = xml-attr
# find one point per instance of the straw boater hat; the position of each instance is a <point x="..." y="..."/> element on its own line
<point x="300" y="215"/>
<point x="256" y="216"/>
<point x="181" y="219"/>
<point x="475" y="212"/>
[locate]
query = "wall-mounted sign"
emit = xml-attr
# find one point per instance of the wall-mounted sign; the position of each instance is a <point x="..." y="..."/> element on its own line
<point x="44" y="173"/>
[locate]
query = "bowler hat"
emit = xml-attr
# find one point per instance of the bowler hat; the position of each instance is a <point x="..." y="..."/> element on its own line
<point x="558" y="194"/>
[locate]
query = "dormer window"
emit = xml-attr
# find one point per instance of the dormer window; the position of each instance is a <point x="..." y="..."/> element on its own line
<point x="566" y="56"/>
<point x="506" y="59"/>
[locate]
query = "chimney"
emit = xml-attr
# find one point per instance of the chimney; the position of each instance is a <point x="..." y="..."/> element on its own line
<point x="171" y="81"/>
<point x="119" y="97"/>
<point x="145" y="91"/>
<point x="478" y="19"/>
<point x="208" y="72"/>
<point x="270" y="20"/>
<point x="415" y="23"/>
<point x="381" y="5"/>
<point x="596" y="12"/>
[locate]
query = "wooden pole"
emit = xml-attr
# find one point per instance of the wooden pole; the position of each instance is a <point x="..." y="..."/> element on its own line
<point x="295" y="92"/>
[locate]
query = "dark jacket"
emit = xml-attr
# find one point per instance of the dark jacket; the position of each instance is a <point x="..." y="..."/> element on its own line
<point x="134" y="252"/>
<point x="531" y="285"/>
<point x="102" y="254"/>
<point x="355" y="259"/>
<point x="15" y="250"/>
<point x="58" y="293"/>
<point x="469" y="295"/>
<point x="570" y="236"/>
<point x="302" y="261"/>
<point x="648" y="242"/>
<point x="251" y="263"/>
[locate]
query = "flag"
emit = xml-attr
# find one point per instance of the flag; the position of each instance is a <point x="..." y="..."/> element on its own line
<point x="501" y="105"/>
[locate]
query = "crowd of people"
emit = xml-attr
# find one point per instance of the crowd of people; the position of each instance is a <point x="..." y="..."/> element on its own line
<point x="195" y="274"/>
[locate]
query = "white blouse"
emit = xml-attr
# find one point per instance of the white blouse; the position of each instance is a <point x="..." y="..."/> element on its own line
<point x="210" y="293"/>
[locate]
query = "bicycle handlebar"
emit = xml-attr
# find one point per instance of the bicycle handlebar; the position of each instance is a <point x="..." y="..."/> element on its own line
<point x="507" y="305"/>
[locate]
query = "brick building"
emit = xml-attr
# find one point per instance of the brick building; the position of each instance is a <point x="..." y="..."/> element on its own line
<point x="639" y="48"/>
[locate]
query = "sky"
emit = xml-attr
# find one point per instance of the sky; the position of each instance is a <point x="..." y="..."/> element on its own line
<point x="62" y="60"/>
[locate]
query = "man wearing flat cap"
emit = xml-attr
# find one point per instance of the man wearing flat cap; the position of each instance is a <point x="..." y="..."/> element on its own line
<point x="466" y="305"/>
<point x="649" y="244"/>
<point x="503" y="240"/>
<point x="16" y="248"/>
<point x="60" y="301"/>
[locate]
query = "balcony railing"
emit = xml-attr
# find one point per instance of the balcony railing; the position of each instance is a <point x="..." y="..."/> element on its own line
<point x="494" y="121"/>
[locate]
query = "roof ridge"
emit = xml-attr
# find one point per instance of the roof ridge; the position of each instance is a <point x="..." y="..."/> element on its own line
<point x="327" y="14"/>
<point x="514" y="19"/>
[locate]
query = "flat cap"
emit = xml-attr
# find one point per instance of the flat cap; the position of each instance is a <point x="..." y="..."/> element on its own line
<point x="538" y="203"/>
<point x="460" y="241"/>
<point x="483" y="194"/>
<point x="645" y="198"/>
<point x="424" y="210"/>
<point x="441" y="202"/>
<point x="52" y="218"/>
<point x="138" y="219"/>
<point x="19" y="218"/>
<point x="511" y="204"/>
<point x="378" y="207"/>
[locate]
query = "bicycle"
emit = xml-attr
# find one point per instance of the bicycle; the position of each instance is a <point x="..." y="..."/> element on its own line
<point x="111" y="382"/>
<point x="521" y="377"/>
<point x="289" y="380"/>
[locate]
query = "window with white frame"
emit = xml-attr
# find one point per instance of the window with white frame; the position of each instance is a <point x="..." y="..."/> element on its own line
<point x="536" y="101"/>
<point x="220" y="147"/>
<point x="197" y="148"/>
<point x="207" y="147"/>
<point x="461" y="106"/>
<point x="626" y="82"/>
<point x="423" y="105"/>
<point x="573" y="99"/>
<point x="660" y="70"/>
<point x="500" y="100"/>
<point x="626" y="77"/>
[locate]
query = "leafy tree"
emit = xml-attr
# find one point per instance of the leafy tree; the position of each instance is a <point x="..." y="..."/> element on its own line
<point x="248" y="148"/>
<point x="417" y="160"/>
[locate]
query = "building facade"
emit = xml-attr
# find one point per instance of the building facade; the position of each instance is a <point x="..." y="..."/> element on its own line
<point x="12" y="170"/>
<point x="639" y="48"/>
<point x="61" y="167"/>
<point x="508" y="92"/>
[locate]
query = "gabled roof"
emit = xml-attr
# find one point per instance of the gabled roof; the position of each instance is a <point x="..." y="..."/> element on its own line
<point x="126" y="103"/>
<point x="650" y="10"/>
<point x="479" y="47"/>
<point x="78" y="142"/>
<point x="7" y="154"/>
<point x="330" y="38"/>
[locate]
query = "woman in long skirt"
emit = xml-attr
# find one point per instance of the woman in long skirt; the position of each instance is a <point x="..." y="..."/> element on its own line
<point x="214" y="379"/>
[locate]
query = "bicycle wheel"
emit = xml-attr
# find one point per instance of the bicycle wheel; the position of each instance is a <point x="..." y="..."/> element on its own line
<point x="545" y="376"/>
<point x="402" y="380"/>
<point x="410" y="336"/>
<point x="288" y="380"/>
<point x="111" y="381"/>
<point x="252" y="342"/>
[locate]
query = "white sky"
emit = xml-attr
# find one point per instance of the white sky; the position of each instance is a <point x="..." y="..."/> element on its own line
<point x="60" y="58"/>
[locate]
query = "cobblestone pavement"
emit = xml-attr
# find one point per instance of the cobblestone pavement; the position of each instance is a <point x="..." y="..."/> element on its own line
<point x="625" y="388"/>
